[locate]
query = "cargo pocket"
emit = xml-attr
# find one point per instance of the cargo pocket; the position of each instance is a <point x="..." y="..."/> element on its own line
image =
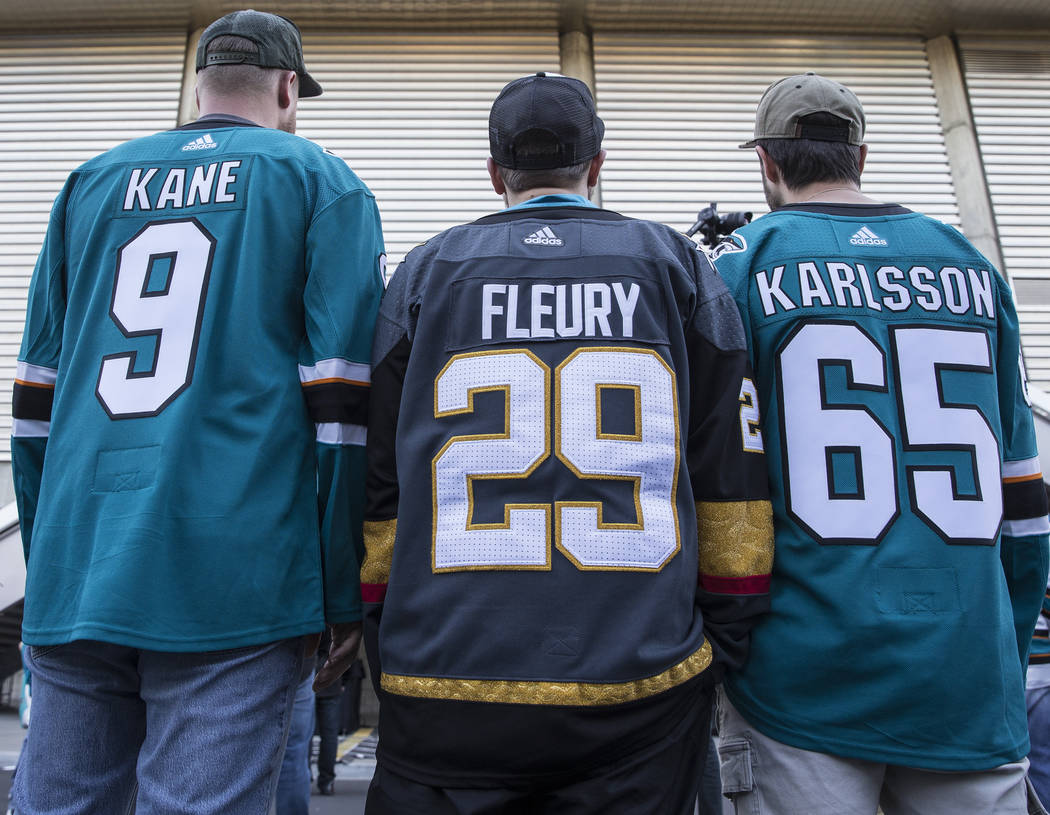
<point x="738" y="779"/>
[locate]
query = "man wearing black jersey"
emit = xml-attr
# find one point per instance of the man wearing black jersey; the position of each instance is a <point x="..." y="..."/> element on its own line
<point x="568" y="533"/>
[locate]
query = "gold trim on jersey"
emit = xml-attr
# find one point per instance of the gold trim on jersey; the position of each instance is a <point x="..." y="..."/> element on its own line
<point x="735" y="537"/>
<point x="524" y="692"/>
<point x="379" y="550"/>
<point x="471" y="526"/>
<point x="637" y="391"/>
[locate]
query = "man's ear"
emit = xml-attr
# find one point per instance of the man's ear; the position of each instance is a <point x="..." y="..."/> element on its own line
<point x="287" y="89"/>
<point x="595" y="169"/>
<point x="863" y="157"/>
<point x="769" y="168"/>
<point x="495" y="178"/>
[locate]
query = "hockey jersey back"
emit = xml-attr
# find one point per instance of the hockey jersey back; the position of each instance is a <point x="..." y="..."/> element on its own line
<point x="901" y="452"/>
<point x="556" y="401"/>
<point x="192" y="283"/>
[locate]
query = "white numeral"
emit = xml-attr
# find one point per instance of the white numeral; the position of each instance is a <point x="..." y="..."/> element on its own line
<point x="812" y="429"/>
<point x="649" y="458"/>
<point x="523" y="540"/>
<point x="171" y="314"/>
<point x="932" y="425"/>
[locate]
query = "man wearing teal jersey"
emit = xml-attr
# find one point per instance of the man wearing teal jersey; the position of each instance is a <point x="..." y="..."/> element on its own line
<point x="910" y="515"/>
<point x="188" y="441"/>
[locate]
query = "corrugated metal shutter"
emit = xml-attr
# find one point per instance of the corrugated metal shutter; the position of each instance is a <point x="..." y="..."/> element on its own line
<point x="409" y="113"/>
<point x="676" y="107"/>
<point x="1009" y="85"/>
<point x="63" y="100"/>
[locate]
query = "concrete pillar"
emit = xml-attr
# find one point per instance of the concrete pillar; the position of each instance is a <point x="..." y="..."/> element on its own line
<point x="187" y="100"/>
<point x="964" y="150"/>
<point x="577" y="56"/>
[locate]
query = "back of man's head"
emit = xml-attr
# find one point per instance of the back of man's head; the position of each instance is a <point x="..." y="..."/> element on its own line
<point x="236" y="79"/>
<point x="543" y="132"/>
<point x="243" y="53"/>
<point x="812" y="128"/>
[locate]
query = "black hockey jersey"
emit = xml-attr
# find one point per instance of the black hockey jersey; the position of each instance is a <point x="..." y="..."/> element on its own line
<point x="560" y="399"/>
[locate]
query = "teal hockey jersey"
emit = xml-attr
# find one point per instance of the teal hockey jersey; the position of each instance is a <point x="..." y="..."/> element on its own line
<point x="191" y="396"/>
<point x="910" y="515"/>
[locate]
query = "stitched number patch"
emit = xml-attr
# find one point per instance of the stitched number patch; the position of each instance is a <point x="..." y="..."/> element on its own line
<point x="158" y="293"/>
<point x="821" y="437"/>
<point x="646" y="458"/>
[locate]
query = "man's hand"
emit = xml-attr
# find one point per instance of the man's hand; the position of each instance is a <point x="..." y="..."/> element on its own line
<point x="346" y="639"/>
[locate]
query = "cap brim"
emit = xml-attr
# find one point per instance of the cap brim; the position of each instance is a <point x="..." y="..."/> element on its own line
<point x="308" y="86"/>
<point x="748" y="144"/>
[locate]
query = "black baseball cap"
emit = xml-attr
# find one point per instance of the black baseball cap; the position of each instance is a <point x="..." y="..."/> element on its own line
<point x="559" y="105"/>
<point x="278" y="38"/>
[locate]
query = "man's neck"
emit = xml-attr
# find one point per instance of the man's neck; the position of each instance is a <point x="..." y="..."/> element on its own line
<point x="238" y="107"/>
<point x="828" y="193"/>
<point x="512" y="199"/>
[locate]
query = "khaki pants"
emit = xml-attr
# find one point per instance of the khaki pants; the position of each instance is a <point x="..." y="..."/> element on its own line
<point x="762" y="776"/>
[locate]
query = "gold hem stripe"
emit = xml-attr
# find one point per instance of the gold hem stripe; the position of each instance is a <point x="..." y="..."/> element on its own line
<point x="522" y="692"/>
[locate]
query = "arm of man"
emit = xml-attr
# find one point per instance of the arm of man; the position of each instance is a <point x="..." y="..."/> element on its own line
<point x="1026" y="529"/>
<point x="728" y="470"/>
<point x="344" y="284"/>
<point x="37" y="372"/>
<point x="391" y="351"/>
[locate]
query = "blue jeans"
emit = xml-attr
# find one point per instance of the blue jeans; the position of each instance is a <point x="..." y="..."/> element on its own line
<point x="1039" y="732"/>
<point x="200" y="733"/>
<point x="293" y="788"/>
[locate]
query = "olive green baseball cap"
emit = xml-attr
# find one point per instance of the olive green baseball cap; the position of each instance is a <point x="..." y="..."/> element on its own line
<point x="280" y="45"/>
<point x="794" y="97"/>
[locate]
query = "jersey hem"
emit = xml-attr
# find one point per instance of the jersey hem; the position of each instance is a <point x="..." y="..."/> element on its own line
<point x="135" y="639"/>
<point x="661" y="717"/>
<point x="918" y="759"/>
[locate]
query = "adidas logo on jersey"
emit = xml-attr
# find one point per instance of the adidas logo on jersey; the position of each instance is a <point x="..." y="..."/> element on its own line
<point x="544" y="237"/>
<point x="205" y="142"/>
<point x="865" y="237"/>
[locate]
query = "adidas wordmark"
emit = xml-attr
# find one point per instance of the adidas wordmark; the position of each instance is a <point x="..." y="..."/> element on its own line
<point x="865" y="237"/>
<point x="205" y="142"/>
<point x="544" y="237"/>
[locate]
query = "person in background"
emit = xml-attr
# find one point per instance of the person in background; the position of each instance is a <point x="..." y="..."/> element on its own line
<point x="187" y="446"/>
<point x="327" y="709"/>
<point x="910" y="515"/>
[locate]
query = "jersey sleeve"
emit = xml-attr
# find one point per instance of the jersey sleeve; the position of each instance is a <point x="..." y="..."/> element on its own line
<point x="1026" y="528"/>
<point x="344" y="255"/>
<point x="37" y="371"/>
<point x="727" y="467"/>
<point x="390" y="351"/>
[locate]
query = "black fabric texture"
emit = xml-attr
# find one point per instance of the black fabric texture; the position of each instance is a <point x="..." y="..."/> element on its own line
<point x="1024" y="499"/>
<point x="28" y="402"/>
<point x="338" y="402"/>
<point x="531" y="744"/>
